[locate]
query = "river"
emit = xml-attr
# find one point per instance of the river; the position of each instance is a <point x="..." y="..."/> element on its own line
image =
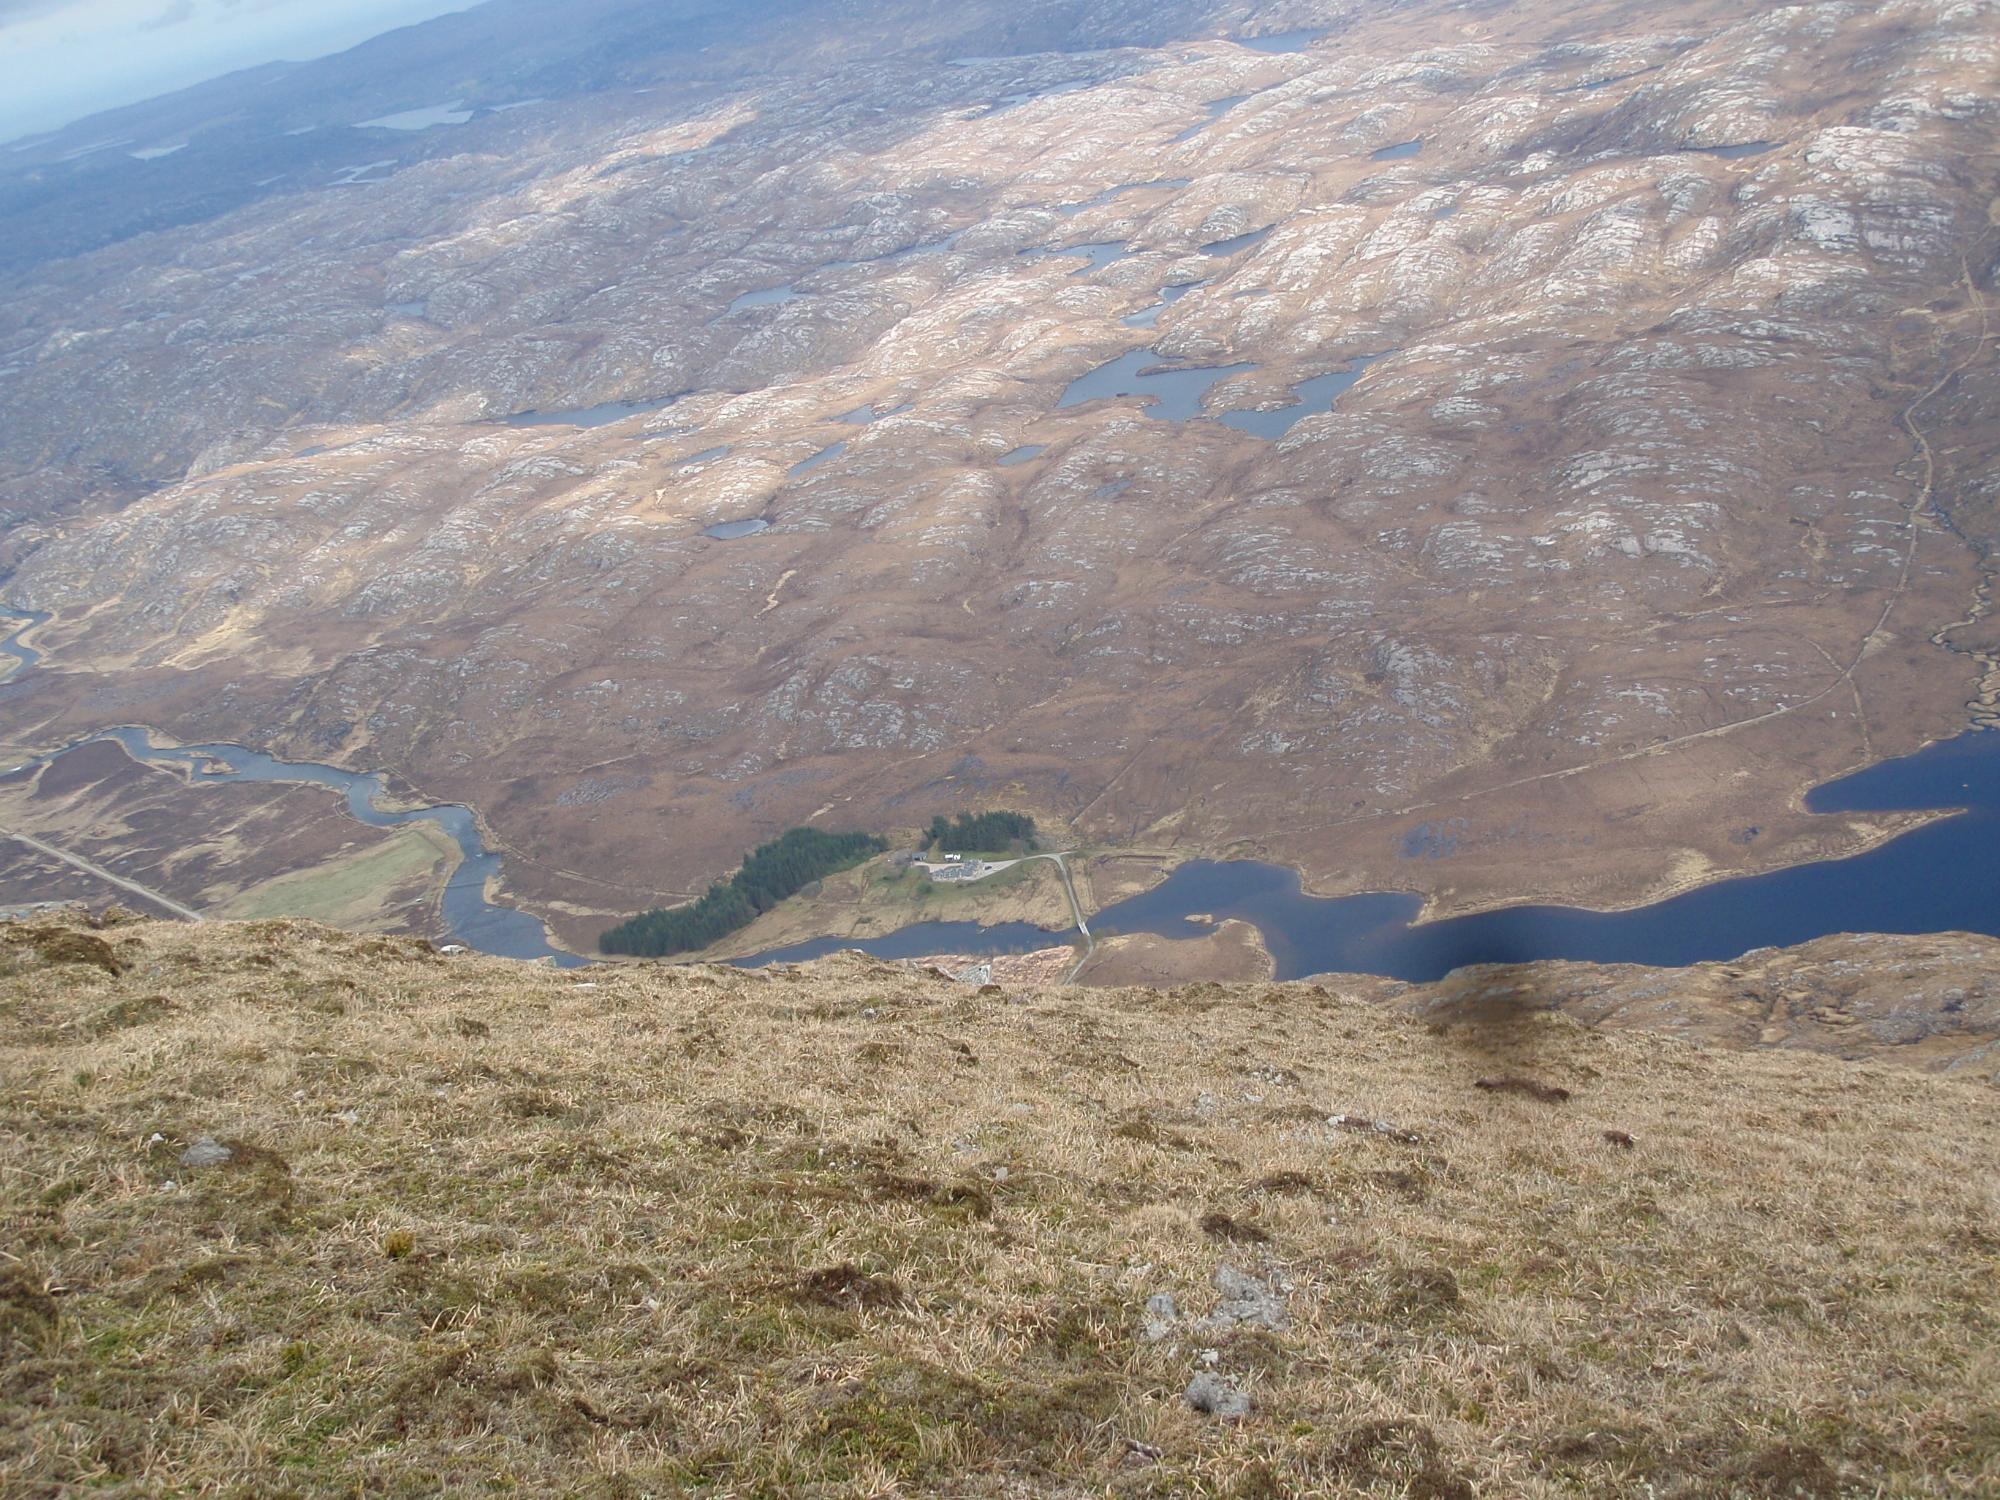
<point x="468" y="916"/>
<point x="22" y="658"/>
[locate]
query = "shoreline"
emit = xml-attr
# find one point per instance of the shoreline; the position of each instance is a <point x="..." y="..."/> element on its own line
<point x="1863" y="833"/>
<point x="398" y="799"/>
<point x="1671" y="885"/>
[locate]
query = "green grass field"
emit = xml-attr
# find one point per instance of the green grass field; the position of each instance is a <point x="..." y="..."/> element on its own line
<point x="353" y="892"/>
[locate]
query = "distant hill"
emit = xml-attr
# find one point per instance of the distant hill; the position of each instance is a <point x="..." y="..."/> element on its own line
<point x="281" y="128"/>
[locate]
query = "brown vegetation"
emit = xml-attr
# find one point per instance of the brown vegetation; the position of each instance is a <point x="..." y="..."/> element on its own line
<point x="1232" y="951"/>
<point x="852" y="1229"/>
<point x="1636" y="528"/>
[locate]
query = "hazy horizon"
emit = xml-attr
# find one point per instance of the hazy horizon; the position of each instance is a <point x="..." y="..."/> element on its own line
<point x="68" y="59"/>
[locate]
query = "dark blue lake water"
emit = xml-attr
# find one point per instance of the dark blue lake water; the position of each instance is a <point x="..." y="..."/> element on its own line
<point x="807" y="465"/>
<point x="1070" y="210"/>
<point x="1149" y="317"/>
<point x="931" y="247"/>
<point x="862" y="415"/>
<point x="1279" y="41"/>
<point x="770" y="296"/>
<point x="1944" y="877"/>
<point x="1098" y="255"/>
<point x="1215" y="110"/>
<point x="1172" y="392"/>
<point x="1236" y="242"/>
<point x="1310" y="397"/>
<point x="602" y="415"/>
<point x="729" y="531"/>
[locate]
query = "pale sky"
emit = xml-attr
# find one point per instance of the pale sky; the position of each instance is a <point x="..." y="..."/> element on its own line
<point x="62" y="59"/>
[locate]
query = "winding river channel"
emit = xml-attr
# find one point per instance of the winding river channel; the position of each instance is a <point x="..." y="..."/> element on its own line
<point x="24" y="656"/>
<point x="468" y="915"/>
<point x="1941" y="877"/>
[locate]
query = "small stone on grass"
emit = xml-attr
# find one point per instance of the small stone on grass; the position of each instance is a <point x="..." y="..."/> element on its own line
<point x="1218" y="1396"/>
<point x="206" y="1151"/>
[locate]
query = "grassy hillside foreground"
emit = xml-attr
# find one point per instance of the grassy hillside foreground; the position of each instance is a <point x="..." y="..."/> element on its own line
<point x="491" y="1229"/>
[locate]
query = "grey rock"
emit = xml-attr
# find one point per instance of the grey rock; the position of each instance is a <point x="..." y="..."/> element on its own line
<point x="1246" y="1303"/>
<point x="1161" y="1316"/>
<point x="206" y="1151"/>
<point x="1218" y="1396"/>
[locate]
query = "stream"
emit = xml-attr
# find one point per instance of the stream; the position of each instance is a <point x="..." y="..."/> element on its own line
<point x="468" y="915"/>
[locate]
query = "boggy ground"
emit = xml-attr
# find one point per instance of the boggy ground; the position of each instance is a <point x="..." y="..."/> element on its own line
<point x="849" y="1230"/>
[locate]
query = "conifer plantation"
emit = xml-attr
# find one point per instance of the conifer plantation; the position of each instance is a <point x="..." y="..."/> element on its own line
<point x="984" y="833"/>
<point x="770" y="873"/>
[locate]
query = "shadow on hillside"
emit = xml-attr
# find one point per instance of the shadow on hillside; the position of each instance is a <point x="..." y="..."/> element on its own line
<point x="1487" y="1014"/>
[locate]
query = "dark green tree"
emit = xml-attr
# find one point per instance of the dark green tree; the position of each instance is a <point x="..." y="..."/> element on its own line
<point x="985" y="833"/>
<point x="770" y="873"/>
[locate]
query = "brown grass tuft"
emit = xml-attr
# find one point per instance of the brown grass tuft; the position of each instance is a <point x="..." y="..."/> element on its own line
<point x="1529" y="1088"/>
<point x="1219" y="1225"/>
<point x="845" y="1285"/>
<point x="61" y="945"/>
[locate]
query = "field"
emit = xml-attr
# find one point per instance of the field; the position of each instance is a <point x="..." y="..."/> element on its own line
<point x="232" y="849"/>
<point x="348" y="891"/>
<point x="289" y="1212"/>
<point x="876" y="899"/>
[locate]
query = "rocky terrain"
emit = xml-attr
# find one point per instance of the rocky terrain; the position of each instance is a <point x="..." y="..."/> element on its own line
<point x="1669" y="488"/>
<point x="294" y="1212"/>
<point x="1931" y="1003"/>
<point x="1928" y="1003"/>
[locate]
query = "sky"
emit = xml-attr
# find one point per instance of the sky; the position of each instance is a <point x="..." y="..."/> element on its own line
<point x="63" y="59"/>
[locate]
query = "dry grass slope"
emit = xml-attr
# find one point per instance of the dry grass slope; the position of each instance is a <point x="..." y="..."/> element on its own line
<point x="851" y="1231"/>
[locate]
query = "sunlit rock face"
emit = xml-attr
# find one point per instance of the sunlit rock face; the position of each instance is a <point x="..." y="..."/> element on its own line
<point x="1674" y="439"/>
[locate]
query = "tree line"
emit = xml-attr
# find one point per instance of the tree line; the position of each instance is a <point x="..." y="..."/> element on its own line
<point x="985" y="832"/>
<point x="770" y="873"/>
